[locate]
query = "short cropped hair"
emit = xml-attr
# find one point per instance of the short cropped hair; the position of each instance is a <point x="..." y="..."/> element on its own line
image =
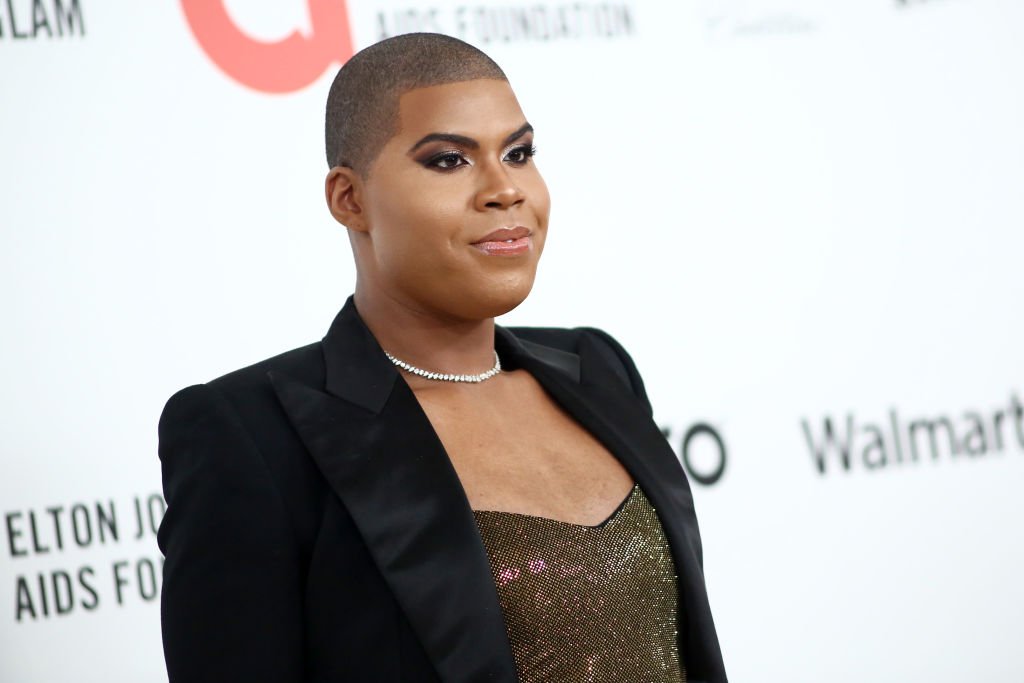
<point x="362" y="106"/>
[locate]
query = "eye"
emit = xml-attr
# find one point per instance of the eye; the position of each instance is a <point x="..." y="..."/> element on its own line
<point x="520" y="154"/>
<point x="446" y="161"/>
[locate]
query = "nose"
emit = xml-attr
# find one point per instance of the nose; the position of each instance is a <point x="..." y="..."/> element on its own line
<point x="497" y="189"/>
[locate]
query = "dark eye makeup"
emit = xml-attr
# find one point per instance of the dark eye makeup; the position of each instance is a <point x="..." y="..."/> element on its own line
<point x="522" y="154"/>
<point x="445" y="161"/>
<point x="451" y="159"/>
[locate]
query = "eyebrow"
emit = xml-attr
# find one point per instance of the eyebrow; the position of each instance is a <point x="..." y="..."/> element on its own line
<point x="467" y="141"/>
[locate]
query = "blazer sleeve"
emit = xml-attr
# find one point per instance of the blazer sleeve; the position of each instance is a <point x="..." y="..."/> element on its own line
<point x="231" y="598"/>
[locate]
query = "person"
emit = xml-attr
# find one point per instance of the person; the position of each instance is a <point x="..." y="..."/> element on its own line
<point x="425" y="495"/>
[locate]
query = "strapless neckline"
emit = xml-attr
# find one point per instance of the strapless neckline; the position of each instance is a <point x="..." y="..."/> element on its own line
<point x="608" y="520"/>
<point x="587" y="603"/>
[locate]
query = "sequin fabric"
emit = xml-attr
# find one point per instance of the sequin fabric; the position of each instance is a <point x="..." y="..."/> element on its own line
<point x="587" y="603"/>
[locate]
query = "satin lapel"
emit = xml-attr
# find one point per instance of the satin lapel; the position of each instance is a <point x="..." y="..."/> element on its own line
<point x="619" y="420"/>
<point x="380" y="454"/>
<point x="393" y="476"/>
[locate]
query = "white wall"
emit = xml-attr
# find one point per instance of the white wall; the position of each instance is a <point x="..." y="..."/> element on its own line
<point x="813" y="210"/>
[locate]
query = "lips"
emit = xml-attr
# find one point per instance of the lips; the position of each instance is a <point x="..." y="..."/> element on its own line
<point x="505" y="242"/>
<point x="504" y="235"/>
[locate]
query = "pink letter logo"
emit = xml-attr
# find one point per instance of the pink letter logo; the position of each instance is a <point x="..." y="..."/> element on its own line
<point x="284" y="66"/>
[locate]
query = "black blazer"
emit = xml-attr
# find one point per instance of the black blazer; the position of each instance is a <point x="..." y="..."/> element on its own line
<point x="317" y="531"/>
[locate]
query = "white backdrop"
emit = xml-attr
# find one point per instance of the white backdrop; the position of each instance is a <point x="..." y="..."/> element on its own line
<point x="812" y="209"/>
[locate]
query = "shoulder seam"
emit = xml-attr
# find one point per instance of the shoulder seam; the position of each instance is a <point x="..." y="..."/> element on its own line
<point x="263" y="460"/>
<point x="626" y="365"/>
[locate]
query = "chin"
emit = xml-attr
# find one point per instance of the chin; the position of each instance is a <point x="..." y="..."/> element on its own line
<point x="491" y="300"/>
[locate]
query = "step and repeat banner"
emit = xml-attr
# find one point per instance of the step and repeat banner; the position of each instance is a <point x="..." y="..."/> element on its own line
<point x="802" y="218"/>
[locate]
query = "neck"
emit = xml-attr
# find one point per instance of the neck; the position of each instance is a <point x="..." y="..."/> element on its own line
<point x="426" y="339"/>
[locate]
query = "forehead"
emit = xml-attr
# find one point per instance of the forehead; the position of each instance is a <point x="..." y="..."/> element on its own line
<point x="481" y="109"/>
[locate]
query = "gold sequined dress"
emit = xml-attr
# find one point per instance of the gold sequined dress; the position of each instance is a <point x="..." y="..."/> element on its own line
<point x="587" y="603"/>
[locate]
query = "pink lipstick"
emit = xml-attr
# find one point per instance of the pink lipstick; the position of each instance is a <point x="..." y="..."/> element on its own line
<point x="505" y="242"/>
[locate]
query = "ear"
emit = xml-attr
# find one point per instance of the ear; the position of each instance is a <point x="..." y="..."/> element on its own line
<point x="343" y="191"/>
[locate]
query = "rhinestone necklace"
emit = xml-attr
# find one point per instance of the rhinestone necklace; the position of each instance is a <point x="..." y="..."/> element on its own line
<point x="445" y="376"/>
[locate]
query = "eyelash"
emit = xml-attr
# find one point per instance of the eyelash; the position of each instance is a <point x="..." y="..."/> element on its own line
<point x="528" y="151"/>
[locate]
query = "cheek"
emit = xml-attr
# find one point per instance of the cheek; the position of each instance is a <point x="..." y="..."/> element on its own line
<point x="415" y="237"/>
<point x="543" y="212"/>
<point x="540" y="200"/>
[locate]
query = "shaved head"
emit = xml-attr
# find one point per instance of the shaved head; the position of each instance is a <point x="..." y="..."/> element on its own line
<point x="362" y="107"/>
